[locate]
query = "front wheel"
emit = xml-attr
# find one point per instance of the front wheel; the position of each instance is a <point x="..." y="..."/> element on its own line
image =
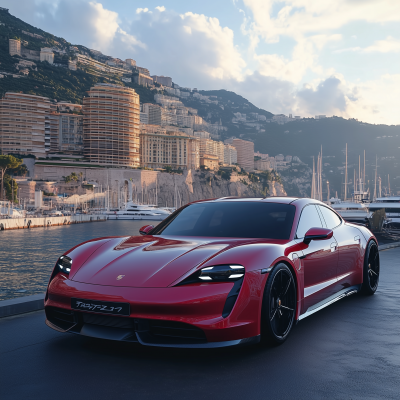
<point x="279" y="304"/>
<point x="371" y="269"/>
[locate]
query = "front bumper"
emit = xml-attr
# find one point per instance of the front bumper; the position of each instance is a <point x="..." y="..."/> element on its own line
<point x="183" y="316"/>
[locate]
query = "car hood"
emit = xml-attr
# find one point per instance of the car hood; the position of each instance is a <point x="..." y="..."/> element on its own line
<point x="145" y="261"/>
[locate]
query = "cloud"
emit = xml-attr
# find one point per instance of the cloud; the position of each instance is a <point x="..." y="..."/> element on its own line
<point x="304" y="58"/>
<point x="327" y="98"/>
<point x="140" y="10"/>
<point x="376" y="101"/>
<point x="296" y="18"/>
<point x="389" y="45"/>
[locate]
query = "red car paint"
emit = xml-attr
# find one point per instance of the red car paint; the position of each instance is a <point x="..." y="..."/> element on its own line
<point x="112" y="269"/>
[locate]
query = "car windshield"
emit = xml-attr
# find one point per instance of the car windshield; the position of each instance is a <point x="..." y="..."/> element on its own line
<point x="233" y="219"/>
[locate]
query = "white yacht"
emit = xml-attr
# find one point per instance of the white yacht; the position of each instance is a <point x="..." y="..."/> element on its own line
<point x="351" y="211"/>
<point x="7" y="210"/>
<point x="134" y="211"/>
<point x="391" y="205"/>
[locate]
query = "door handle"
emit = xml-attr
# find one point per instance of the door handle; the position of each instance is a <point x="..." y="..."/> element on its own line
<point x="333" y="246"/>
<point x="357" y="239"/>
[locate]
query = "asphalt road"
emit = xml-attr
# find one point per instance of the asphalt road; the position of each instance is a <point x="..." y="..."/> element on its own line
<point x="350" y="350"/>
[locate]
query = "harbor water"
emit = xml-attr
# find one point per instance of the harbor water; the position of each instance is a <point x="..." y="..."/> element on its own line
<point x="27" y="256"/>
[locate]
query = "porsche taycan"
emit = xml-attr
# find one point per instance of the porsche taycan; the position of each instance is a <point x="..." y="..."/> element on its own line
<point x="215" y="273"/>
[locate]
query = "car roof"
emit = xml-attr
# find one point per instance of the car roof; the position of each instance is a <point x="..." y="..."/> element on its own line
<point x="283" y="200"/>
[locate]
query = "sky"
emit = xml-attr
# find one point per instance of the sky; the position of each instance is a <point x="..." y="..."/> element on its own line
<point x="300" y="57"/>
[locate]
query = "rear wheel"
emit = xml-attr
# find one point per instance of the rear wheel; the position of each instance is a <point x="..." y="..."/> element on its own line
<point x="371" y="269"/>
<point x="279" y="305"/>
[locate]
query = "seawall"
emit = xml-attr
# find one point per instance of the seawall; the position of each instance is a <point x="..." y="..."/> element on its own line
<point x="43" y="222"/>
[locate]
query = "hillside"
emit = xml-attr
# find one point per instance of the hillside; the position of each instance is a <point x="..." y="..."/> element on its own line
<point x="239" y="117"/>
<point x="53" y="81"/>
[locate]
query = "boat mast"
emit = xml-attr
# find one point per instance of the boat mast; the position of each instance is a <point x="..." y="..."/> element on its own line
<point x="345" y="178"/>
<point x="156" y="192"/>
<point x="313" y="179"/>
<point x="328" y="196"/>
<point x="380" y="187"/>
<point x="389" y="184"/>
<point x="320" y="171"/>
<point x="359" y="173"/>
<point x="376" y="176"/>
<point x="364" y="174"/>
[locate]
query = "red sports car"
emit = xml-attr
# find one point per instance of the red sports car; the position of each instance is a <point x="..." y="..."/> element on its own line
<point x="215" y="273"/>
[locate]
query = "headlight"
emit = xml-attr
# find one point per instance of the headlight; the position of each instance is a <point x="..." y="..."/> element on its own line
<point x="64" y="264"/>
<point x="216" y="273"/>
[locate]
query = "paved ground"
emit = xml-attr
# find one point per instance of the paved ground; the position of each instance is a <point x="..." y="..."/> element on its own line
<point x="350" y="350"/>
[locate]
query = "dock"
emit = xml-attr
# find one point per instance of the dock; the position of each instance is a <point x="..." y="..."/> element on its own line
<point x="46" y="222"/>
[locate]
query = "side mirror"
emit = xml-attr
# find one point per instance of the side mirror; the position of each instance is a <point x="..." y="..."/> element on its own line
<point x="317" y="234"/>
<point x="144" y="230"/>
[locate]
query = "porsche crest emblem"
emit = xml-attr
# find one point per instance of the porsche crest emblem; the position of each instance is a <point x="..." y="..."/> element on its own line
<point x="119" y="277"/>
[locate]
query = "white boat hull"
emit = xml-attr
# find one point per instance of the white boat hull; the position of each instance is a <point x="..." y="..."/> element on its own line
<point x="137" y="217"/>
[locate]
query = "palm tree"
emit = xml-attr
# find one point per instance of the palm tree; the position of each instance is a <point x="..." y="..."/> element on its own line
<point x="7" y="162"/>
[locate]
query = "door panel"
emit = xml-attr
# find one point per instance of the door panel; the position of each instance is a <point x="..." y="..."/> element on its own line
<point x="320" y="269"/>
<point x="349" y="269"/>
<point x="320" y="259"/>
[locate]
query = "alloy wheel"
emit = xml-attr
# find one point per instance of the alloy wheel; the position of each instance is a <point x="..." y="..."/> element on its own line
<point x="282" y="303"/>
<point x="373" y="267"/>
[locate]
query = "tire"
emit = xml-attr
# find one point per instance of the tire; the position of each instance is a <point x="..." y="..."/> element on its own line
<point x="371" y="269"/>
<point x="279" y="305"/>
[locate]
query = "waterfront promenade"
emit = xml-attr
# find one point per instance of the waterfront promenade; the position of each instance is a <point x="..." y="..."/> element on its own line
<point x="45" y="222"/>
<point x="350" y="350"/>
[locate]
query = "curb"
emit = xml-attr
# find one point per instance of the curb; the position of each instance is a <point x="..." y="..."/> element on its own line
<point x="388" y="246"/>
<point x="21" y="305"/>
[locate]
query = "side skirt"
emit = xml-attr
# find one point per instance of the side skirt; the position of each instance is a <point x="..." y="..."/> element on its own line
<point x="330" y="300"/>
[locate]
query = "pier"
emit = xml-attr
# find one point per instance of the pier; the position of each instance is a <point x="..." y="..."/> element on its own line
<point x="45" y="222"/>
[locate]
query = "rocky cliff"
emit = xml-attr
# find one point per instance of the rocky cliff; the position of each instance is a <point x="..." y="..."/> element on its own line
<point x="178" y="189"/>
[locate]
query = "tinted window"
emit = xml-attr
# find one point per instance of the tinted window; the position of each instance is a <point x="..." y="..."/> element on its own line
<point x="309" y="219"/>
<point x="331" y="219"/>
<point x="231" y="219"/>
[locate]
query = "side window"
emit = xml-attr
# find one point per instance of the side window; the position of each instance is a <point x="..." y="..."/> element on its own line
<point x="309" y="219"/>
<point x="331" y="219"/>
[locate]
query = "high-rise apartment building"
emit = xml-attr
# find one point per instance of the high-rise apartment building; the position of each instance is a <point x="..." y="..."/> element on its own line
<point x="53" y="121"/>
<point x="14" y="47"/>
<point x="111" y="125"/>
<point x="160" y="148"/>
<point x="230" y="154"/>
<point x="23" y="124"/>
<point x="154" y="113"/>
<point x="211" y="147"/>
<point x="70" y="134"/>
<point x="245" y="153"/>
<point x="144" y="118"/>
